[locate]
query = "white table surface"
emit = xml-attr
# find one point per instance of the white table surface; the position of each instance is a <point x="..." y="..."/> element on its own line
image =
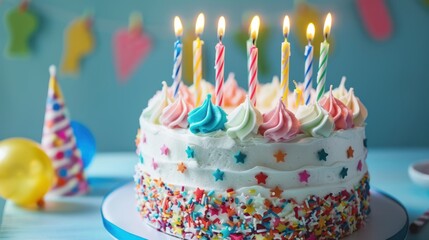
<point x="79" y="217"/>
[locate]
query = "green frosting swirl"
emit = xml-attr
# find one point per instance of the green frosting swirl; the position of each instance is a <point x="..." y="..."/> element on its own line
<point x="315" y="121"/>
<point x="207" y="118"/>
<point x="244" y="120"/>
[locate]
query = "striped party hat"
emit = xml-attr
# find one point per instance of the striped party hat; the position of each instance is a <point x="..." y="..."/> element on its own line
<point x="59" y="143"/>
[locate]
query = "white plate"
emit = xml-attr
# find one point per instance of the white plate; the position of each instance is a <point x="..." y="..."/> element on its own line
<point x="388" y="218"/>
<point x="419" y="173"/>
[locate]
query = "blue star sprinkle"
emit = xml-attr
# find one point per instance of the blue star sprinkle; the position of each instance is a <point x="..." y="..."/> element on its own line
<point x="218" y="174"/>
<point x="239" y="157"/>
<point x="343" y="172"/>
<point x="190" y="152"/>
<point x="322" y="155"/>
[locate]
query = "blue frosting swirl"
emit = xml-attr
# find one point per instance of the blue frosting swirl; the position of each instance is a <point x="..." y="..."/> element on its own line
<point x="206" y="118"/>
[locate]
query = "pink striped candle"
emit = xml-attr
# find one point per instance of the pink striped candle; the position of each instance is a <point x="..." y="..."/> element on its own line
<point x="220" y="62"/>
<point x="252" y="61"/>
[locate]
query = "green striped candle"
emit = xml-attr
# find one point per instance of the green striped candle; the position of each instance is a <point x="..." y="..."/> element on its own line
<point x="323" y="61"/>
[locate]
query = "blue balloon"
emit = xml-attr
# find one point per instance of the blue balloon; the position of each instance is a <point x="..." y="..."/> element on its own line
<point x="85" y="142"/>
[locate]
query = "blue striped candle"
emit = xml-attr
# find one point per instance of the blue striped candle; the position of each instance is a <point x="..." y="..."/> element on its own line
<point x="308" y="69"/>
<point x="177" y="67"/>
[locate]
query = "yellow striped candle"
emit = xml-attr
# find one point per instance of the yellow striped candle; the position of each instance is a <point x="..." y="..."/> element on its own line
<point x="197" y="58"/>
<point x="284" y="77"/>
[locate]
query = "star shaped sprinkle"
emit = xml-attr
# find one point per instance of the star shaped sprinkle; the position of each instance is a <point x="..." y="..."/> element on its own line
<point x="190" y="152"/>
<point x="225" y="232"/>
<point x="181" y="167"/>
<point x="250" y="209"/>
<point x="218" y="175"/>
<point x="198" y="194"/>
<point x="154" y="164"/>
<point x="350" y="152"/>
<point x="359" y="166"/>
<point x="214" y="211"/>
<point x="276" y="192"/>
<point x="164" y="150"/>
<point x="261" y="178"/>
<point x="343" y="172"/>
<point x="303" y="176"/>
<point x="365" y="143"/>
<point x="258" y="200"/>
<point x="280" y="156"/>
<point x="322" y="155"/>
<point x="239" y="157"/>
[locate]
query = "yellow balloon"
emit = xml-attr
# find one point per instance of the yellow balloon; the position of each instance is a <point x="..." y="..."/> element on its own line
<point x="26" y="172"/>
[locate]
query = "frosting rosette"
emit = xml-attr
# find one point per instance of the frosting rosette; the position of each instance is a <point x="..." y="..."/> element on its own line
<point x="341" y="90"/>
<point x="233" y="95"/>
<point x="342" y="115"/>
<point x="206" y="118"/>
<point x="243" y="121"/>
<point x="268" y="94"/>
<point x="175" y="115"/>
<point x="315" y="121"/>
<point x="185" y="93"/>
<point x="279" y="124"/>
<point x="157" y="104"/>
<point x="360" y="113"/>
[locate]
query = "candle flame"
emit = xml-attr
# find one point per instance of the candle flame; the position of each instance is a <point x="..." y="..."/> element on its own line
<point x="310" y="32"/>
<point x="221" y="27"/>
<point x="178" y="28"/>
<point x="199" y="26"/>
<point x="286" y="26"/>
<point x="327" y="27"/>
<point x="254" y="27"/>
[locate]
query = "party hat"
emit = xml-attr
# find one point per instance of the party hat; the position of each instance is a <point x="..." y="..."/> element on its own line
<point x="59" y="142"/>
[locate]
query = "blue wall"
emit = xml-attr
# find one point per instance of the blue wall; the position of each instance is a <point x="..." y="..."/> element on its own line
<point x="391" y="77"/>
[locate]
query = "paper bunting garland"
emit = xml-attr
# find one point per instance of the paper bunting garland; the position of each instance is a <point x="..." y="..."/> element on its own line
<point x="242" y="36"/>
<point x="376" y="18"/>
<point x="78" y="43"/>
<point x="59" y="142"/>
<point x="131" y="45"/>
<point x="21" y="24"/>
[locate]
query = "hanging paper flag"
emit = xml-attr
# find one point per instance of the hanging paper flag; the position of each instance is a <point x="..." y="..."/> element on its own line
<point x="21" y="24"/>
<point x="131" y="45"/>
<point x="78" y="43"/>
<point x="242" y="36"/>
<point x="376" y="18"/>
<point x="59" y="142"/>
<point x="305" y="14"/>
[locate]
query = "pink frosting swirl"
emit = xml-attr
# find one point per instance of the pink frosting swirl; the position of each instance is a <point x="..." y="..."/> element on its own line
<point x="175" y="115"/>
<point x="233" y="95"/>
<point x="342" y="115"/>
<point x="185" y="93"/>
<point x="279" y="124"/>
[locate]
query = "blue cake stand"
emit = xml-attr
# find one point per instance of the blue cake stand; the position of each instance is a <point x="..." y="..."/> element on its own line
<point x="388" y="218"/>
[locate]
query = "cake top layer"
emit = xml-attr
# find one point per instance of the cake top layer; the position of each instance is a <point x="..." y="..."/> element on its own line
<point x="271" y="117"/>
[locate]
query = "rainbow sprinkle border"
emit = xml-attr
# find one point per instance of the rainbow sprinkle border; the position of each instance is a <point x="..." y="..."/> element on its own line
<point x="195" y="214"/>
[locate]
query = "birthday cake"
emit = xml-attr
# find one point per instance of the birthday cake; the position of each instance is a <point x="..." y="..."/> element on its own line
<point x="298" y="173"/>
<point x="258" y="165"/>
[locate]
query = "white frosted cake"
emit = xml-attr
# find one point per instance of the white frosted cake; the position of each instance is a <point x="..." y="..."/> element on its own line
<point x="245" y="172"/>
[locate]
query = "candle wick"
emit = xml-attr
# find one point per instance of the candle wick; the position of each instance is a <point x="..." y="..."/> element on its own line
<point x="254" y="41"/>
<point x="220" y="38"/>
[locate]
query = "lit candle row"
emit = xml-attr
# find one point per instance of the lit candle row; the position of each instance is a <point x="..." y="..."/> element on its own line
<point x="252" y="61"/>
